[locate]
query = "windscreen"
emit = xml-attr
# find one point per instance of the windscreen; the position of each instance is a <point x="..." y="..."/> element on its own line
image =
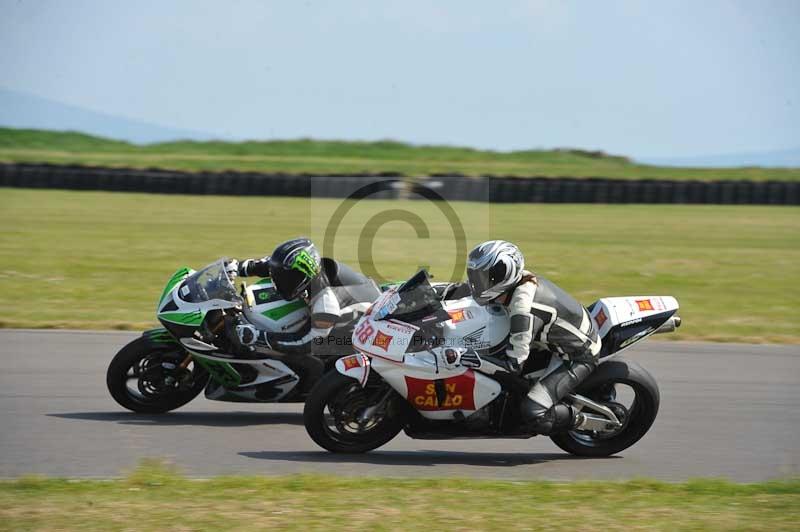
<point x="212" y="282"/>
<point x="415" y="299"/>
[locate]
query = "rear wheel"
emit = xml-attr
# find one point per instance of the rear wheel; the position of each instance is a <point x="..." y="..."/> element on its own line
<point x="631" y="393"/>
<point x="343" y="417"/>
<point x="149" y="380"/>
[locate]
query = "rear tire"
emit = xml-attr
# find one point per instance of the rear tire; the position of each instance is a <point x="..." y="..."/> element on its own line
<point x="130" y="359"/>
<point x="329" y="415"/>
<point x="641" y="414"/>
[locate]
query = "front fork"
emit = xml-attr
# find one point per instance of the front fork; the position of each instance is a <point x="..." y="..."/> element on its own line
<point x="186" y="361"/>
<point x="371" y="410"/>
<point x="184" y="377"/>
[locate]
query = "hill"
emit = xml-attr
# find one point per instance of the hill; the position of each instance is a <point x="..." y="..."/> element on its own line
<point x="325" y="156"/>
<point x="24" y="110"/>
<point x="765" y="159"/>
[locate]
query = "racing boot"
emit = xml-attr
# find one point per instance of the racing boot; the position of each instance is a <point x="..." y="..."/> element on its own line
<point x="541" y="411"/>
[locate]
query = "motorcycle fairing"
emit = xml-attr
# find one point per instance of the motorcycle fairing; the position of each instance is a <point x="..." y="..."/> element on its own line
<point x="424" y="381"/>
<point x="623" y="321"/>
<point x="471" y="325"/>
<point x="182" y="312"/>
<point x="268" y="311"/>
<point x="388" y="339"/>
<point x="354" y="366"/>
<point x="159" y="337"/>
<point x="484" y="328"/>
<point x="262" y="374"/>
<point x="611" y="311"/>
<point x="442" y="394"/>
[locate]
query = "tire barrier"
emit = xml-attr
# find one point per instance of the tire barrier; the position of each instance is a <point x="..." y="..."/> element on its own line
<point x="600" y="190"/>
<point x="450" y="187"/>
<point x="154" y="180"/>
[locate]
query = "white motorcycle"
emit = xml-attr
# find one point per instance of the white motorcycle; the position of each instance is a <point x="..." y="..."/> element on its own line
<point x="425" y="365"/>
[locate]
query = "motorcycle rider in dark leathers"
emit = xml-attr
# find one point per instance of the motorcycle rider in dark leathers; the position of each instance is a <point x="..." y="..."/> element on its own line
<point x="336" y="295"/>
<point x="543" y="318"/>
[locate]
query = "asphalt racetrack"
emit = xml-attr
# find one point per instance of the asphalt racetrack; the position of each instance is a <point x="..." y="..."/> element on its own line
<point x="729" y="411"/>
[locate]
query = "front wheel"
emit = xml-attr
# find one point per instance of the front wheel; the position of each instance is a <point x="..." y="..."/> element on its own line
<point x="631" y="393"/>
<point x="149" y="380"/>
<point x="343" y="417"/>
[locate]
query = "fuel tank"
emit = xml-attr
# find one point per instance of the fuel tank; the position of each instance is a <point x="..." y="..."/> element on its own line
<point x="268" y="311"/>
<point x="484" y="328"/>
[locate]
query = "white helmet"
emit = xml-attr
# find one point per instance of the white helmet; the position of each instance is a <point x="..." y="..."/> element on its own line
<point x="492" y="268"/>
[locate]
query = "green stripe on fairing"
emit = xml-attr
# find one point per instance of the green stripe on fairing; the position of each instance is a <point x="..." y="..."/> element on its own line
<point x="183" y="318"/>
<point x="221" y="372"/>
<point x="159" y="336"/>
<point x="177" y="277"/>
<point x="277" y="313"/>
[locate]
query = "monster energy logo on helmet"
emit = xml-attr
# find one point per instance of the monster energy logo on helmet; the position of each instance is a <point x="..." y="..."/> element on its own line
<point x="293" y="265"/>
<point x="305" y="263"/>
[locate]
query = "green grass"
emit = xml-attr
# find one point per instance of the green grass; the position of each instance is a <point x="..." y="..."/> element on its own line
<point x="155" y="498"/>
<point x="316" y="156"/>
<point x="100" y="260"/>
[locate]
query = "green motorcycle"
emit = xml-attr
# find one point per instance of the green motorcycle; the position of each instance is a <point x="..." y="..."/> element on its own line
<point x="197" y="349"/>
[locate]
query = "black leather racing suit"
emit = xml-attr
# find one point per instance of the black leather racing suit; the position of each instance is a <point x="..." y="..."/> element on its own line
<point x="336" y="298"/>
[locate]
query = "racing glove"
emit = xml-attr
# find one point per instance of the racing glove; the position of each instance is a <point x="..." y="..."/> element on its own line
<point x="244" y="266"/>
<point x="232" y="268"/>
<point x="252" y="267"/>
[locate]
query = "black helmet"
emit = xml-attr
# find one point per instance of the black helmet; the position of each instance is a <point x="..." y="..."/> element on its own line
<point x="293" y="265"/>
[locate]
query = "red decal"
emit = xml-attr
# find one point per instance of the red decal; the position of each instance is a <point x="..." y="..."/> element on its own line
<point x="644" y="304"/>
<point x="600" y="318"/>
<point x="364" y="331"/>
<point x="457" y="315"/>
<point x="382" y="340"/>
<point x="459" y="393"/>
<point x="351" y="362"/>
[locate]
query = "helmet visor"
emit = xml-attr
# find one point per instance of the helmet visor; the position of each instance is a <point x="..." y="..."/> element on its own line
<point x="483" y="283"/>
<point x="289" y="282"/>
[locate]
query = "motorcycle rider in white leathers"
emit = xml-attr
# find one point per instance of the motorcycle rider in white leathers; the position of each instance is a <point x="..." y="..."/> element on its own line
<point x="543" y="317"/>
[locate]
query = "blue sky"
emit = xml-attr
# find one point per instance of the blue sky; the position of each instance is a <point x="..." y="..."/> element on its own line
<point x="646" y="79"/>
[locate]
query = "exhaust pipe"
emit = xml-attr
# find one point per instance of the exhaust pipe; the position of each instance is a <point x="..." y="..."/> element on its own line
<point x="669" y="326"/>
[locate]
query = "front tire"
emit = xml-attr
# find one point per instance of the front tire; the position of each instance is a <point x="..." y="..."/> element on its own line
<point x="332" y="410"/>
<point x="601" y="386"/>
<point x="138" y="377"/>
